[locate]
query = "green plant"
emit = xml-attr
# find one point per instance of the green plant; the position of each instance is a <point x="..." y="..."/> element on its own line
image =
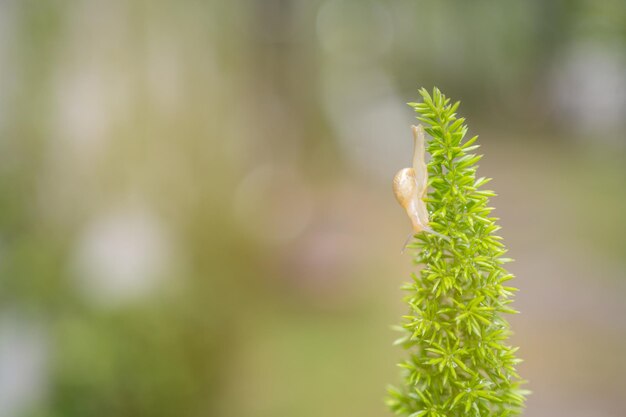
<point x="459" y="364"/>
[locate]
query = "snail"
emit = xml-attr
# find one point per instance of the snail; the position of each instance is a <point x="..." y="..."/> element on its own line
<point x="410" y="186"/>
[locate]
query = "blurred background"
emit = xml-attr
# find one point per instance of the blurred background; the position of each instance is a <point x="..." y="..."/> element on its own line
<point x="196" y="216"/>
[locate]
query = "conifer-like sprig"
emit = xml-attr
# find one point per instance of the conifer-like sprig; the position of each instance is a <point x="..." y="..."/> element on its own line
<point x="460" y="364"/>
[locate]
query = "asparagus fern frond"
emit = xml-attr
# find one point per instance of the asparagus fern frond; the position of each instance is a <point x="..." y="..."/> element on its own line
<point x="460" y="363"/>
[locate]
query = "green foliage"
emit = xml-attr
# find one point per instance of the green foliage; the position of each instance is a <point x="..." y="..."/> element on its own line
<point x="459" y="363"/>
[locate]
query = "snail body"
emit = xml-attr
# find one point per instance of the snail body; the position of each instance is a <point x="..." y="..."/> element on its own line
<point x="410" y="185"/>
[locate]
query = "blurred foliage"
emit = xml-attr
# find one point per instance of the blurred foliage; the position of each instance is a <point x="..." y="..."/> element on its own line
<point x="195" y="217"/>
